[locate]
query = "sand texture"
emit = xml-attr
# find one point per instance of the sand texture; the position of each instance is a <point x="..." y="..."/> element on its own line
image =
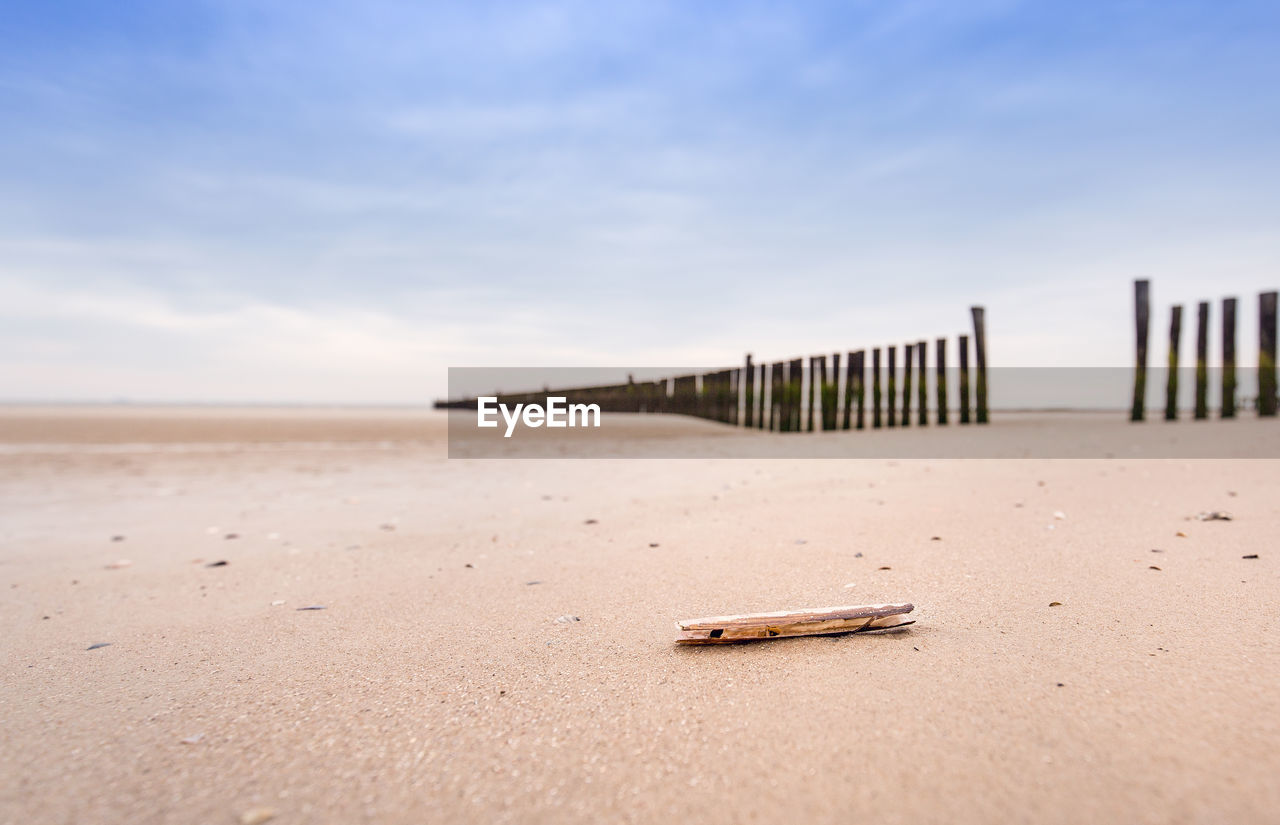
<point x="497" y="643"/>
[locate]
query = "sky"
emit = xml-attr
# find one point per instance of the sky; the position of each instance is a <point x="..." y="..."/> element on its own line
<point x="335" y="202"/>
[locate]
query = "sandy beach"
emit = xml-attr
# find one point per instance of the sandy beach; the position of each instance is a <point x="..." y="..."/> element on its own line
<point x="438" y="686"/>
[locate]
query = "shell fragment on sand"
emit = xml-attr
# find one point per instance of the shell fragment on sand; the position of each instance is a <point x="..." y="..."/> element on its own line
<point x="719" y="630"/>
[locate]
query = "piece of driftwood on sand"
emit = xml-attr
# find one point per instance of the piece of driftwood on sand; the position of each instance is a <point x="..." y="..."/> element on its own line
<point x="719" y="630"/>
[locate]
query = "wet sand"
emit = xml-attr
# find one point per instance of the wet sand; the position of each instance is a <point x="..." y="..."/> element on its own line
<point x="437" y="684"/>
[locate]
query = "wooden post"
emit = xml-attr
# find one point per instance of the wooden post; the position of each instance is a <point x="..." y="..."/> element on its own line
<point x="940" y="369"/>
<point x="922" y="383"/>
<point x="831" y="394"/>
<point x="892" y="388"/>
<point x="814" y="380"/>
<point x="748" y="393"/>
<point x="1267" y="354"/>
<point x="776" y="396"/>
<point x="848" y="393"/>
<point x="766" y="403"/>
<point x="907" y="351"/>
<point x="1228" y="357"/>
<point x="794" y="394"/>
<point x="736" y="401"/>
<point x="1171" y="389"/>
<point x="779" y="393"/>
<point x="860" y="385"/>
<point x="1202" y="361"/>
<point x="1141" y="307"/>
<point x="964" y="379"/>
<point x="980" y="360"/>
<point x="875" y="388"/>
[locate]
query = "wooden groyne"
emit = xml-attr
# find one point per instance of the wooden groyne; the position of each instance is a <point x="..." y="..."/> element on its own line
<point x="821" y="392"/>
<point x="1265" y="402"/>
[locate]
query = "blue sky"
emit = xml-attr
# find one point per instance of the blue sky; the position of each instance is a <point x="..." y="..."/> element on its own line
<point x="336" y="201"/>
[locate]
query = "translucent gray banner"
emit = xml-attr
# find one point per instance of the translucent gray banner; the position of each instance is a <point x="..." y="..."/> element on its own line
<point x="808" y="409"/>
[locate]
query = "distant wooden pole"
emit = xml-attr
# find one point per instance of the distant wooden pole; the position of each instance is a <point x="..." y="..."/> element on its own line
<point x="821" y="396"/>
<point x="777" y="395"/>
<point x="1141" y="308"/>
<point x="940" y="370"/>
<point x="980" y="359"/>
<point x="737" y="399"/>
<point x="1202" y="361"/>
<point x="849" y="392"/>
<point x="814" y="380"/>
<point x="875" y="388"/>
<point x="1228" y="357"/>
<point x="781" y="404"/>
<point x="907" y="351"/>
<point x="1267" y="354"/>
<point x="859" y="394"/>
<point x="1171" y="389"/>
<point x="794" y="395"/>
<point x="833" y="421"/>
<point x="747" y="392"/>
<point x="964" y="378"/>
<point x="892" y="389"/>
<point x="922" y="383"/>
<point x="765" y="404"/>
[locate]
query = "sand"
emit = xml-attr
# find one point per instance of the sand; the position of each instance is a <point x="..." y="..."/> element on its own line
<point x="437" y="685"/>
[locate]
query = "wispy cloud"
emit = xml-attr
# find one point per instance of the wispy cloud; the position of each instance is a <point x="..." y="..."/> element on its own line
<point x="356" y="197"/>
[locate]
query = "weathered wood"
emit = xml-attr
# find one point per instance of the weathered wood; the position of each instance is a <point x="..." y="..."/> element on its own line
<point x="1202" y="361"/>
<point x="858" y="365"/>
<point x="964" y="379"/>
<point x="940" y="369"/>
<point x="714" y="630"/>
<point x="1141" y="309"/>
<point x="1171" y="389"/>
<point x="847" y="421"/>
<point x="1228" y="358"/>
<point x="776" y="414"/>
<point x="891" y="390"/>
<point x="811" y="398"/>
<point x="748" y="393"/>
<point x="808" y="398"/>
<point x="922" y="383"/>
<point x="831" y="393"/>
<point x="1267" y="354"/>
<point x="980" y="362"/>
<point x="907" y="351"/>
<point x="875" y="388"/>
<point x="794" y="388"/>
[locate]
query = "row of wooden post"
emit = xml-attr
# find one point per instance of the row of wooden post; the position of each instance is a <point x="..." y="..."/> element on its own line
<point x="771" y="396"/>
<point x="1266" y="403"/>
<point x="774" y="395"/>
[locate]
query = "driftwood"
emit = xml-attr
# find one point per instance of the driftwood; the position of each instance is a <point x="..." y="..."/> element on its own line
<point x="719" y="630"/>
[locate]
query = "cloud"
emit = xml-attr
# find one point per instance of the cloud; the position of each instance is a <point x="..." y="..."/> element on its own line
<point x="331" y="202"/>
